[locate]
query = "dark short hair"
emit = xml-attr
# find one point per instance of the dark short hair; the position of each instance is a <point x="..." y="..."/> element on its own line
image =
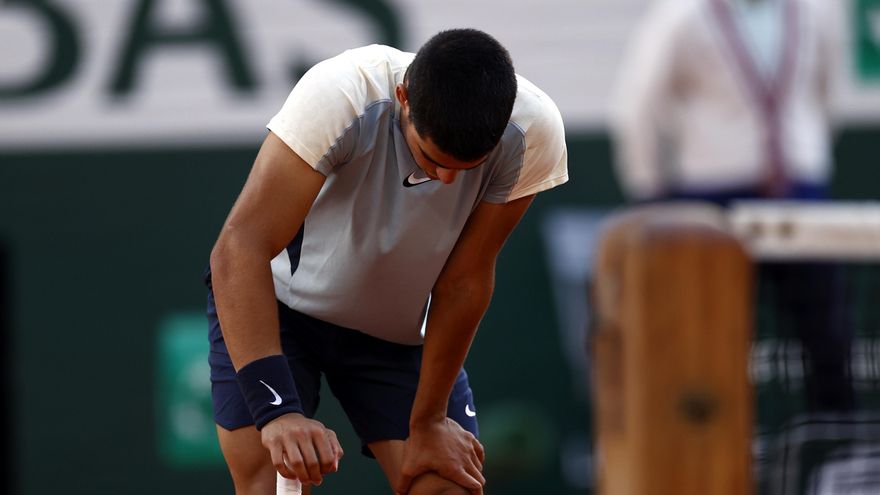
<point x="461" y="87"/>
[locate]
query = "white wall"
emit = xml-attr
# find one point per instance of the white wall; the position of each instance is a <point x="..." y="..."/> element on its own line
<point x="570" y="48"/>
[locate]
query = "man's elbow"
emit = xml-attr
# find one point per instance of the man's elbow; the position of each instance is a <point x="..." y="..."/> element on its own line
<point x="469" y="289"/>
<point x="220" y="259"/>
<point x="229" y="253"/>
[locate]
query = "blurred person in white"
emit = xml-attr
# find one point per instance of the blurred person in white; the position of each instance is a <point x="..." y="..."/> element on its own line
<point x="720" y="100"/>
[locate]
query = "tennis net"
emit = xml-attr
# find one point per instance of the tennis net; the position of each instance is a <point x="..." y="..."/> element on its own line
<point x="815" y="361"/>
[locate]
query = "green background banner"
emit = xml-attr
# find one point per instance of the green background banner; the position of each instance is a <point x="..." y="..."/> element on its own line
<point x="866" y="19"/>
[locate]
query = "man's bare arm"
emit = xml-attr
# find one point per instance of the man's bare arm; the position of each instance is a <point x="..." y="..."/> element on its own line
<point x="458" y="301"/>
<point x="267" y="215"/>
<point x="269" y="211"/>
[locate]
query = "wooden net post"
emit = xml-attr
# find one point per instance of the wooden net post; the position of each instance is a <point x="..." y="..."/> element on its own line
<point x="674" y="324"/>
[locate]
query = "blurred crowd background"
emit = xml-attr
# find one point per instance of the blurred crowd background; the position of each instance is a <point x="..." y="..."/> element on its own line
<point x="128" y="127"/>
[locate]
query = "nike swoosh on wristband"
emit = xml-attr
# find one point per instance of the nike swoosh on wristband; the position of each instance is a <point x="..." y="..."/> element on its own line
<point x="470" y="412"/>
<point x="277" y="401"/>
<point x="412" y="180"/>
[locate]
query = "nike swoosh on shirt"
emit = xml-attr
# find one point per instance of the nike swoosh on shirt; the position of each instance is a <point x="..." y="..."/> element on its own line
<point x="412" y="180"/>
<point x="470" y="412"/>
<point x="277" y="400"/>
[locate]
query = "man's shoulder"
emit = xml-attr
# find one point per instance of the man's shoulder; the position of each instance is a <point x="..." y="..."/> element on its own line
<point x="378" y="51"/>
<point x="367" y="73"/>
<point x="375" y="56"/>
<point x="532" y="106"/>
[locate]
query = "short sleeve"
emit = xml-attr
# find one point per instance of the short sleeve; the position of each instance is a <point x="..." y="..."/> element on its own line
<point x="541" y="161"/>
<point x="545" y="160"/>
<point x="314" y="118"/>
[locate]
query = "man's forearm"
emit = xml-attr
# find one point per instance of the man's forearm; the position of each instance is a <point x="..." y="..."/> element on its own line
<point x="452" y="323"/>
<point x="245" y="299"/>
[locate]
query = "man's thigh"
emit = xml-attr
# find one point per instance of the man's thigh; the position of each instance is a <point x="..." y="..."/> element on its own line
<point x="375" y="382"/>
<point x="389" y="453"/>
<point x="249" y="463"/>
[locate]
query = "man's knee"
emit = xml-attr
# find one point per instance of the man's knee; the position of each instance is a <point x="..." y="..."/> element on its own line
<point x="248" y="461"/>
<point x="433" y="484"/>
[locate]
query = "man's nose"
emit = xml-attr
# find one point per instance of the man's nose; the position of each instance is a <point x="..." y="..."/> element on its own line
<point x="446" y="176"/>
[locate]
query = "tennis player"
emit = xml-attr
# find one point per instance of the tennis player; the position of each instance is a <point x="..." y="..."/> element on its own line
<point x="377" y="206"/>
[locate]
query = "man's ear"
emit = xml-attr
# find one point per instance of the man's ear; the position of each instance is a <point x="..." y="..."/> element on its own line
<point x="402" y="96"/>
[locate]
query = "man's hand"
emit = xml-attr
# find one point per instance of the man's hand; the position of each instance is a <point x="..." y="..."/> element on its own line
<point x="302" y="448"/>
<point x="446" y="449"/>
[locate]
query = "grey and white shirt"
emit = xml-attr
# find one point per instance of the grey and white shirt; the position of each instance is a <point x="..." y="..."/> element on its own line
<point x="371" y="247"/>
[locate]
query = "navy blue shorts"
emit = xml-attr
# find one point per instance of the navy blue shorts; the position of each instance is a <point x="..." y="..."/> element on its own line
<point x="374" y="380"/>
